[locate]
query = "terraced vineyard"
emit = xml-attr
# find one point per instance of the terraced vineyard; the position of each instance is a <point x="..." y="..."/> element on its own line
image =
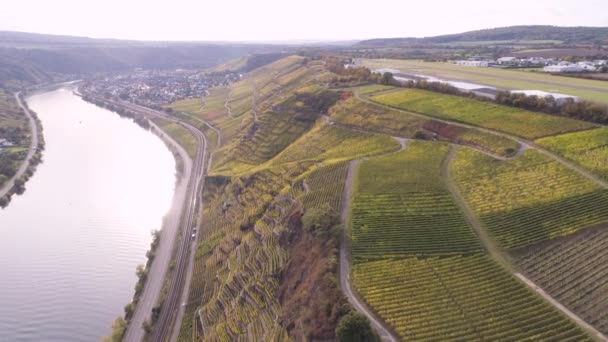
<point x="359" y="114"/>
<point x="234" y="281"/>
<point x="588" y="148"/>
<point x="573" y="270"/>
<point x="416" y="260"/>
<point x="329" y="143"/>
<point x="402" y="208"/>
<point x="325" y="186"/>
<point x="528" y="199"/>
<point x="510" y="120"/>
<point x="464" y="298"/>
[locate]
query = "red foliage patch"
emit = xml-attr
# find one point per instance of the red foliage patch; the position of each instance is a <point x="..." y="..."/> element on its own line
<point x="447" y="131"/>
<point x="345" y="95"/>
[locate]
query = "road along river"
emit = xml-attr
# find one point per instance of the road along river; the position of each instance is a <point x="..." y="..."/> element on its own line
<point x="71" y="242"/>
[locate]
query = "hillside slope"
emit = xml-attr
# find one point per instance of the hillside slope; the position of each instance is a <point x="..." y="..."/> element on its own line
<point x="511" y="33"/>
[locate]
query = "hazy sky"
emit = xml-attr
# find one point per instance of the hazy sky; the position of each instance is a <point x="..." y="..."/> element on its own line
<point x="284" y="19"/>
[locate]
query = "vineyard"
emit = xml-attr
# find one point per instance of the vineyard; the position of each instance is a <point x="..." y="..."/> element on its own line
<point x="510" y="120"/>
<point x="359" y="114"/>
<point x="329" y="143"/>
<point x="234" y="282"/>
<point x="401" y="208"/>
<point x="461" y="298"/>
<point x="325" y="187"/>
<point x="573" y="271"/>
<point x="588" y="148"/>
<point x="356" y="113"/>
<point x="422" y="269"/>
<point x="528" y="199"/>
<point x="261" y="273"/>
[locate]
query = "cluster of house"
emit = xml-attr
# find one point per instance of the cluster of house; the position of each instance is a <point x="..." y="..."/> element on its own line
<point x="552" y="65"/>
<point x="154" y="88"/>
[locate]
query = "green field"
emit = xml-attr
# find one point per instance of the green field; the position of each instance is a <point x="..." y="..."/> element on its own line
<point x="588" y="148"/>
<point x="528" y="199"/>
<point x="506" y="119"/>
<point x="507" y="79"/>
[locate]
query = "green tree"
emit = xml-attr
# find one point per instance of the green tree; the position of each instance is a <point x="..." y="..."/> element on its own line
<point x="354" y="327"/>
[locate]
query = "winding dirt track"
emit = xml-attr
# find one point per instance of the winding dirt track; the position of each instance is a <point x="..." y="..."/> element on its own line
<point x="383" y="330"/>
<point x="527" y="144"/>
<point x="30" y="153"/>
<point x="377" y="324"/>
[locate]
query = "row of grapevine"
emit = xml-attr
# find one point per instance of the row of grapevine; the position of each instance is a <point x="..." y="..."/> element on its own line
<point x="588" y="148"/>
<point x="324" y="142"/>
<point x="460" y="298"/>
<point x="528" y="199"/>
<point x="402" y="208"/>
<point x="359" y="114"/>
<point x="236" y="262"/>
<point x="574" y="271"/>
<point x="325" y="186"/>
<point x="420" y="267"/>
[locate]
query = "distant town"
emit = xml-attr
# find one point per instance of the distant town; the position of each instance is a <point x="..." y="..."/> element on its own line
<point x="550" y="65"/>
<point x="153" y="88"/>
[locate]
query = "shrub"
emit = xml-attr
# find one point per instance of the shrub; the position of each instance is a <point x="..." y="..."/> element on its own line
<point x="354" y="327"/>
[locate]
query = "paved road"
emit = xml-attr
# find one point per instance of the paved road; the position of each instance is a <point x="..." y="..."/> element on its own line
<point x="32" y="150"/>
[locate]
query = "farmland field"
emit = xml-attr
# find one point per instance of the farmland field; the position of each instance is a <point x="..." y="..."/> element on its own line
<point x="506" y="79"/>
<point x="588" y="148"/>
<point x="528" y="199"/>
<point x="509" y="120"/>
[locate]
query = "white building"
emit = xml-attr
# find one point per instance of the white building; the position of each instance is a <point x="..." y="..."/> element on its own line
<point x="507" y="60"/>
<point x="559" y="98"/>
<point x="563" y="68"/>
<point x="479" y="64"/>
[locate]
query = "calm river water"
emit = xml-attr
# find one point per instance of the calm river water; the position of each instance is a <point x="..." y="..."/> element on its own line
<point x="70" y="244"/>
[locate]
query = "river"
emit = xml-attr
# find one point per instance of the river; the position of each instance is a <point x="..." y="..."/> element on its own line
<point x="70" y="244"/>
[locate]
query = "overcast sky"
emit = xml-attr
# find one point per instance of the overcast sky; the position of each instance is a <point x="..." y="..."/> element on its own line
<point x="284" y="19"/>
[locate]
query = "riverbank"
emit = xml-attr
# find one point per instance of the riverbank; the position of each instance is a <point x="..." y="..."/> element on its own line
<point x="16" y="185"/>
<point x="73" y="240"/>
<point x="181" y="211"/>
